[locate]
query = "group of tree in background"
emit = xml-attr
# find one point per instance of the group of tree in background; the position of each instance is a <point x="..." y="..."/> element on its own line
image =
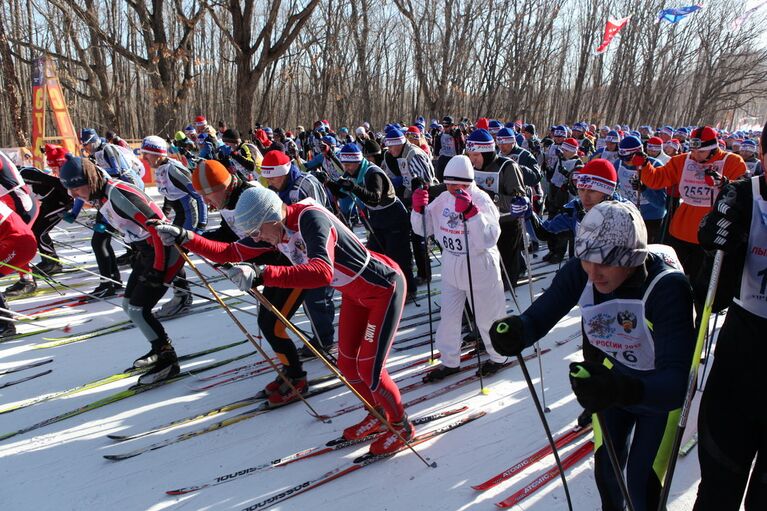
<point x="139" y="66"/>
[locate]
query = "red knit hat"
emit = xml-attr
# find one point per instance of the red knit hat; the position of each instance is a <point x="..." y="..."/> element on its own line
<point x="654" y="143"/>
<point x="482" y="123"/>
<point x="55" y="155"/>
<point x="598" y="174"/>
<point x="570" y="144"/>
<point x="703" y="138"/>
<point x="275" y="164"/>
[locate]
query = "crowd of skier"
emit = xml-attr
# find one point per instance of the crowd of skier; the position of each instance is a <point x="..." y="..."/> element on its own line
<point x="634" y="218"/>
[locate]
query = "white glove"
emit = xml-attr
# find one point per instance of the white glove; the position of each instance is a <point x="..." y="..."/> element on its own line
<point x="244" y="275"/>
<point x="171" y="234"/>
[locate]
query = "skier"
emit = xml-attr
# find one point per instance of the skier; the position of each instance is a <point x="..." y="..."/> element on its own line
<point x="748" y="153"/>
<point x="732" y="426"/>
<point x="447" y="143"/>
<point x="693" y="172"/>
<point x="17" y="248"/>
<point x="53" y="202"/>
<point x="324" y="252"/>
<point x="222" y="191"/>
<point x="17" y="195"/>
<point x="174" y="182"/>
<point x="402" y="163"/>
<point x="651" y="203"/>
<point x="636" y="316"/>
<point x="128" y="210"/>
<point x="501" y="178"/>
<point x="463" y="199"/>
<point x="565" y="166"/>
<point x="654" y="149"/>
<point x="237" y="155"/>
<point x="610" y="150"/>
<point x="292" y="185"/>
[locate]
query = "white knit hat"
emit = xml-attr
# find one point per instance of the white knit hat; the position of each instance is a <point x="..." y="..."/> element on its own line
<point x="459" y="171"/>
<point x="255" y="206"/>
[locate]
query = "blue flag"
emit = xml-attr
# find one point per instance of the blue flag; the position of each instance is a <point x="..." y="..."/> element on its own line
<point x="678" y="14"/>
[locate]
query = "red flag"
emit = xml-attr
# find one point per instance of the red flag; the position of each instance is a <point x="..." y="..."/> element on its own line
<point x="611" y="29"/>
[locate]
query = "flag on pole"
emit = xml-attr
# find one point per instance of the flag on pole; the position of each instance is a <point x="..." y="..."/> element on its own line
<point x="675" y="15"/>
<point x="747" y="14"/>
<point x="611" y="30"/>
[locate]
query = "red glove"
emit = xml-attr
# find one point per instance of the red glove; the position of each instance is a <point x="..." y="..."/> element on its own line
<point x="639" y="159"/>
<point x="464" y="205"/>
<point x="420" y="199"/>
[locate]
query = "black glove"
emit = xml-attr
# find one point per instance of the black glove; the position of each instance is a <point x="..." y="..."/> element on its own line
<point x="598" y="387"/>
<point x="417" y="183"/>
<point x="506" y="334"/>
<point x="153" y="278"/>
<point x="334" y="187"/>
<point x="636" y="183"/>
<point x="346" y="184"/>
<point x="321" y="176"/>
<point x="724" y="228"/>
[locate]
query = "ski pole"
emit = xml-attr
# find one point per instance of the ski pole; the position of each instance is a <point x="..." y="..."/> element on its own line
<point x="59" y="283"/>
<point x="503" y="328"/>
<point x="614" y="461"/>
<point x="709" y="344"/>
<point x="250" y="337"/>
<point x="532" y="298"/>
<point x="428" y="282"/>
<point x="290" y="326"/>
<point x="692" y="379"/>
<point x="478" y="339"/>
<point x="168" y="285"/>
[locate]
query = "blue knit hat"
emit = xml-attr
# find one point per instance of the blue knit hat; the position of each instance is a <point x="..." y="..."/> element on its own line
<point x="256" y="206"/>
<point x="88" y="136"/>
<point x="480" y="141"/>
<point x="613" y="136"/>
<point x="506" y="136"/>
<point x="331" y="141"/>
<point x="394" y="136"/>
<point x="72" y="174"/>
<point x="350" y="153"/>
<point x="520" y="139"/>
<point x="629" y="145"/>
<point x="494" y="125"/>
<point x="748" y="145"/>
<point x="560" y="131"/>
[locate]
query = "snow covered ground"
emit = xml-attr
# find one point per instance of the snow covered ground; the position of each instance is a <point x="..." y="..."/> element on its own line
<point x="61" y="466"/>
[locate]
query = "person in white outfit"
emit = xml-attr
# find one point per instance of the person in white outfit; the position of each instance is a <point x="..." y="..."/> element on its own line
<point x="444" y="220"/>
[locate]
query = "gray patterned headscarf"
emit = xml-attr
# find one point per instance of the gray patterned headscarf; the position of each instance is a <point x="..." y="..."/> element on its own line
<point x="612" y="233"/>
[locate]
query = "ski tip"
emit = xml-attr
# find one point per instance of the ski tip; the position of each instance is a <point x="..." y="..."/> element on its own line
<point x="113" y="457"/>
<point x="117" y="437"/>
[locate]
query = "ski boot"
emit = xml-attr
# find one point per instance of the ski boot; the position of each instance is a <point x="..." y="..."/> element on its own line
<point x="389" y="443"/>
<point x="165" y="367"/>
<point x="180" y="302"/>
<point x="489" y="368"/>
<point x="284" y="394"/>
<point x="366" y="427"/>
<point x="21" y="287"/>
<point x="440" y="373"/>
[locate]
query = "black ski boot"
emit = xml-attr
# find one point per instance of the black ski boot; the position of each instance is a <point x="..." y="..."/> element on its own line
<point x="165" y="367"/>
<point x="489" y="368"/>
<point x="440" y="373"/>
<point x="105" y="290"/>
<point x="21" y="287"/>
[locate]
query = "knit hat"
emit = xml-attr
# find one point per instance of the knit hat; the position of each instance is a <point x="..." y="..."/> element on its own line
<point x="55" y="155"/>
<point x="506" y="136"/>
<point x="580" y="126"/>
<point x="560" y="131"/>
<point x="612" y="233"/>
<point x="673" y="143"/>
<point x="458" y="171"/>
<point x="748" y="145"/>
<point x="654" y="144"/>
<point x="200" y="120"/>
<point x="570" y="144"/>
<point x="613" y="136"/>
<point x="447" y="121"/>
<point x="371" y="147"/>
<point x="331" y="141"/>
<point x="360" y="131"/>
<point x="72" y="173"/>
<point x="88" y="136"/>
<point x="482" y="123"/>
<point x="268" y="131"/>
<point x="394" y="136"/>
<point x="413" y="131"/>
<point x="494" y="125"/>
<point x="629" y="145"/>
<point x="703" y="138"/>
<point x="520" y="138"/>
<point x="210" y="176"/>
<point x="256" y="206"/>
<point x="154" y="145"/>
<point x="275" y="164"/>
<point x="598" y="174"/>
<point x="179" y="136"/>
<point x="480" y="141"/>
<point x="231" y="136"/>
<point x="529" y="128"/>
<point x="350" y="153"/>
<point x="668" y="130"/>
